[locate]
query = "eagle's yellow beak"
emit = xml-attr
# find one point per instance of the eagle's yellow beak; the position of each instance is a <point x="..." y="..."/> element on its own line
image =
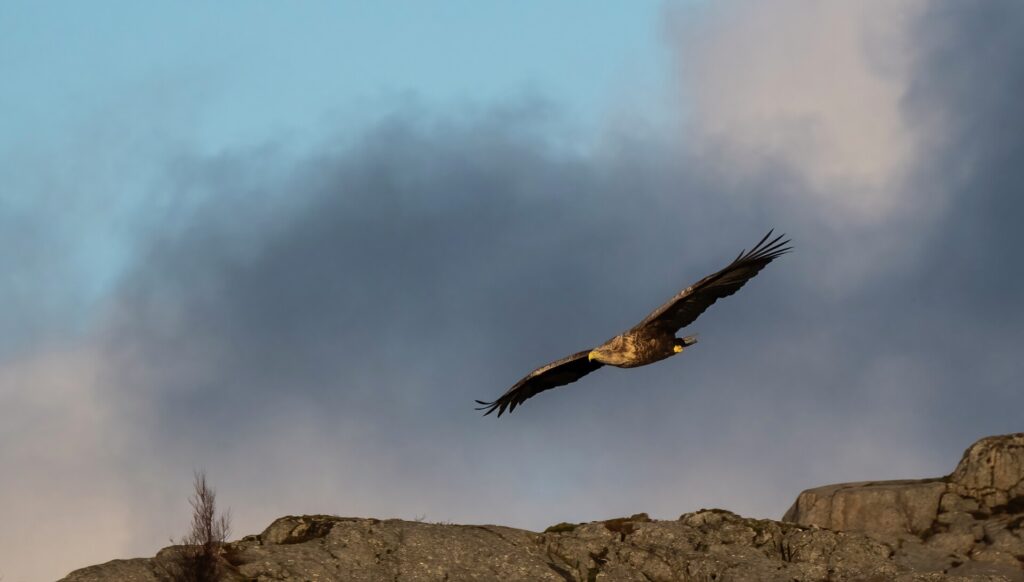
<point x="677" y="348"/>
<point x="591" y="357"/>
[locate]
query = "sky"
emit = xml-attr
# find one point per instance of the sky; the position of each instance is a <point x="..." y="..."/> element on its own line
<point x="289" y="245"/>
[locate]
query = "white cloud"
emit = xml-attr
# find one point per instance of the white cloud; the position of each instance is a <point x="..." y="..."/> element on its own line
<point x="815" y="84"/>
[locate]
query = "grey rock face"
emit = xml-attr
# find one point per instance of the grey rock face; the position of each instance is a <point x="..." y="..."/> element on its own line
<point x="968" y="526"/>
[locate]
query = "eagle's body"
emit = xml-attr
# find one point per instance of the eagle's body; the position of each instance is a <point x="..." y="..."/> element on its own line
<point x="654" y="338"/>
<point x="639" y="347"/>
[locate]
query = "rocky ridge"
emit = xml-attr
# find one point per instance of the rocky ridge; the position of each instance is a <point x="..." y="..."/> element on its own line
<point x="968" y="525"/>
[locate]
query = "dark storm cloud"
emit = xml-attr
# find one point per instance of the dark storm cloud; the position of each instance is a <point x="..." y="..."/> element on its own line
<point x="430" y="253"/>
<point x="966" y="312"/>
<point x="436" y="260"/>
<point x="312" y="329"/>
<point x="967" y="94"/>
<point x="432" y="263"/>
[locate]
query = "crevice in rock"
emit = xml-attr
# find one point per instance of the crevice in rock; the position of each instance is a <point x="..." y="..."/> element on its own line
<point x="565" y="574"/>
<point x="496" y="534"/>
<point x="1015" y="505"/>
<point x="785" y="550"/>
<point x="600" y="559"/>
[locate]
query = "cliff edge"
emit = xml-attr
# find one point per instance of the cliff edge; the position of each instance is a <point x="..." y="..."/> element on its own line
<point x="968" y="525"/>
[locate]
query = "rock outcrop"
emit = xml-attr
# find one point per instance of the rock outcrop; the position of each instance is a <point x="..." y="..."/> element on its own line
<point x="973" y="519"/>
<point x="967" y="526"/>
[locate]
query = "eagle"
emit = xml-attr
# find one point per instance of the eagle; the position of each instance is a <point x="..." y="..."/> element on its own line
<point x="654" y="338"/>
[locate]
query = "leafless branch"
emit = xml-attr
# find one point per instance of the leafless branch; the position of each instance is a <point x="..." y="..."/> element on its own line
<point x="198" y="558"/>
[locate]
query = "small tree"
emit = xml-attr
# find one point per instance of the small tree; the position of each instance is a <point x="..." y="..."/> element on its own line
<point x="198" y="558"/>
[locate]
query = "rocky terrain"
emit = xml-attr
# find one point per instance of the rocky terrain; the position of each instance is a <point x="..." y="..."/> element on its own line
<point x="968" y="525"/>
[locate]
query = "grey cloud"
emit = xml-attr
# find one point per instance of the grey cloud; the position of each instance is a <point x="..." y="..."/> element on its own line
<point x="420" y="269"/>
<point x="433" y="262"/>
<point x="967" y="314"/>
<point x="966" y="95"/>
<point x="314" y="333"/>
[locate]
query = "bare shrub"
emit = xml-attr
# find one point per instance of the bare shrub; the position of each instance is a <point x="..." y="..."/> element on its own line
<point x="198" y="556"/>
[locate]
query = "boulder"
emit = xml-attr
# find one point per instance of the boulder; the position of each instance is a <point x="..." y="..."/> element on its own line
<point x="992" y="472"/>
<point x="887" y="507"/>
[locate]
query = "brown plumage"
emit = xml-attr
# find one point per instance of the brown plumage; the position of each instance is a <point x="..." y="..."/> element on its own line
<point x="652" y="339"/>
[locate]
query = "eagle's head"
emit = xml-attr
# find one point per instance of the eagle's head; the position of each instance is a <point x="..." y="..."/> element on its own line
<point x="615" y="352"/>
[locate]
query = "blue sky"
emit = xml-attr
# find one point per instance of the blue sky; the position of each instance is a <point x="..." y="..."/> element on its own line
<point x="122" y="86"/>
<point x="256" y="71"/>
<point x="292" y="243"/>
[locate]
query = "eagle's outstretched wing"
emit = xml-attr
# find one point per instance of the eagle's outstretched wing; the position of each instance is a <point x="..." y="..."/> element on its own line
<point x="557" y="373"/>
<point x="687" y="306"/>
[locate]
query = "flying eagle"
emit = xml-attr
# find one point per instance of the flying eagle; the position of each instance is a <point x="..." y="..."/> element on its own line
<point x="652" y="339"/>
